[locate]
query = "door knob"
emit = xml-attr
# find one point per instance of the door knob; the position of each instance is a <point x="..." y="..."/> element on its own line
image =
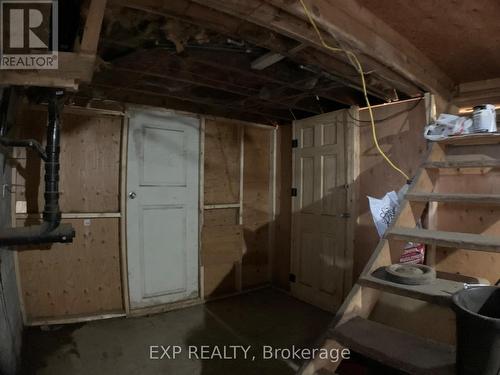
<point x="132" y="195"/>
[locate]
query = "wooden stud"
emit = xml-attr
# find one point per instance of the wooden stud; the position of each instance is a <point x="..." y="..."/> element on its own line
<point x="352" y="169"/>
<point x="201" y="210"/>
<point x="272" y="204"/>
<point x="93" y="24"/>
<point x="221" y="206"/>
<point x="239" y="265"/>
<point x="123" y="212"/>
<point x="73" y="69"/>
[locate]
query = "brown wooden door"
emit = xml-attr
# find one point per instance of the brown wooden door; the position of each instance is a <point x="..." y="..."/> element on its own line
<point x="320" y="219"/>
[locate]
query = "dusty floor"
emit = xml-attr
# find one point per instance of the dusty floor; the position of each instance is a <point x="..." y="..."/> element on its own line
<point x="121" y="346"/>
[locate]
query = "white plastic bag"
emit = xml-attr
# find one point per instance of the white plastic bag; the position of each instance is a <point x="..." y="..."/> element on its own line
<point x="383" y="211"/>
<point x="447" y="125"/>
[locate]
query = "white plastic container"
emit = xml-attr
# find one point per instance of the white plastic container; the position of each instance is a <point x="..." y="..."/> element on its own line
<point x="484" y="119"/>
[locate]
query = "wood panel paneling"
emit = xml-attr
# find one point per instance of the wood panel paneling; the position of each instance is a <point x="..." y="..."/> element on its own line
<point x="222" y="161"/>
<point x="221" y="244"/>
<point x="281" y="265"/>
<point x="81" y="279"/>
<point x="401" y="137"/>
<point x="222" y="185"/>
<point x="68" y="280"/>
<point x="90" y="157"/>
<point x="256" y="205"/>
<point x="468" y="218"/>
<point x="221" y="216"/>
<point x="220" y="226"/>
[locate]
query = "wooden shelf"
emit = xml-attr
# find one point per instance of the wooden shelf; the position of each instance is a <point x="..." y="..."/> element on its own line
<point x="395" y="348"/>
<point x="446" y="239"/>
<point x="473" y="163"/>
<point x="472" y="139"/>
<point x="438" y="292"/>
<point x="460" y="198"/>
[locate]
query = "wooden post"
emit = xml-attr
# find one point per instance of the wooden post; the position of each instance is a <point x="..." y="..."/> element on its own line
<point x="93" y="24"/>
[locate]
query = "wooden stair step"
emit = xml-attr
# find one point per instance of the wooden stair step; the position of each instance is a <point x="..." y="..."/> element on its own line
<point x="472" y="139"/>
<point x="446" y="197"/>
<point x="412" y="354"/>
<point x="438" y="292"/>
<point x="483" y="163"/>
<point x="457" y="240"/>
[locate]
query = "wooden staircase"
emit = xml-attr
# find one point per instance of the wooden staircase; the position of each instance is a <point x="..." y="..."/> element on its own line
<point x="456" y="195"/>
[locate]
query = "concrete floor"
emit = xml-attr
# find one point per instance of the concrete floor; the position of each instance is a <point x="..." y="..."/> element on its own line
<point x="121" y="346"/>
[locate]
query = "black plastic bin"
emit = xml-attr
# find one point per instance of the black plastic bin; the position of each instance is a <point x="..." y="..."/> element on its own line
<point x="478" y="330"/>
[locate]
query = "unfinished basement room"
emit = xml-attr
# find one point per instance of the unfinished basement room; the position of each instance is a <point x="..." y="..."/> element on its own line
<point x="268" y="187"/>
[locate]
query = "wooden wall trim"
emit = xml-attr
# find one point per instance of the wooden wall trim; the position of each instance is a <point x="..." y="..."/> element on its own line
<point x="238" y="273"/>
<point x="123" y="215"/>
<point x="201" y="208"/>
<point x="353" y="163"/>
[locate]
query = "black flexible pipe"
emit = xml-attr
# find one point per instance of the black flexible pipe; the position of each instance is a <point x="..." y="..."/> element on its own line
<point x="27" y="143"/>
<point x="51" y="212"/>
<point x="50" y="230"/>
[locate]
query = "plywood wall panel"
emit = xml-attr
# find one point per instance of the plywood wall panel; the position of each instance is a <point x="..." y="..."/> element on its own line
<point x="256" y="205"/>
<point x="401" y="137"/>
<point x="219" y="279"/>
<point x="220" y="229"/>
<point x="222" y="161"/>
<point x="221" y="244"/>
<point x="468" y="218"/>
<point x="67" y="280"/>
<point x="90" y="157"/>
<point x="281" y="266"/>
<point x="221" y="217"/>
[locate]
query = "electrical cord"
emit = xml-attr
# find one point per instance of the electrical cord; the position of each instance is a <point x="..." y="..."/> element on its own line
<point x="394" y="115"/>
<point x="357" y="65"/>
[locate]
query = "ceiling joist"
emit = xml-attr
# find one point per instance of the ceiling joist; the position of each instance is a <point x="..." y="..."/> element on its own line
<point x="379" y="48"/>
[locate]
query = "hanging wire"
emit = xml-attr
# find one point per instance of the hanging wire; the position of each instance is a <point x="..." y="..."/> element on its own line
<point x="359" y="68"/>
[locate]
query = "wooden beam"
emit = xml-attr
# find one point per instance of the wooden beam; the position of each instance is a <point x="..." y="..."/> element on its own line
<point x="206" y="81"/>
<point x="379" y="47"/>
<point x="93" y="24"/>
<point x="186" y="94"/>
<point x="272" y="58"/>
<point x="188" y="104"/>
<point x="478" y="92"/>
<point x="73" y="69"/>
<point x="358" y="28"/>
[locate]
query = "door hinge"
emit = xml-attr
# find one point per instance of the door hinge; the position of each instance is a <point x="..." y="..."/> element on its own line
<point x="295" y="143"/>
<point x="294" y="192"/>
<point x="291" y="277"/>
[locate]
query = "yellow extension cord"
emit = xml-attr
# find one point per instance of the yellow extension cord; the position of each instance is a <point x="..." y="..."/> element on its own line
<point x="354" y="61"/>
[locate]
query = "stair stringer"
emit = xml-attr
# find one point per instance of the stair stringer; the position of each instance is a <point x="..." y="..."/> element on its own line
<point x="361" y="300"/>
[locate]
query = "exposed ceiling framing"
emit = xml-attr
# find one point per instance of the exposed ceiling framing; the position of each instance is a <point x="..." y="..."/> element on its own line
<point x="170" y="60"/>
<point x="258" y="60"/>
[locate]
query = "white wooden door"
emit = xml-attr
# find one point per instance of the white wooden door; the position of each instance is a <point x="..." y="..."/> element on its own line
<point x="162" y="207"/>
<point x="320" y="217"/>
